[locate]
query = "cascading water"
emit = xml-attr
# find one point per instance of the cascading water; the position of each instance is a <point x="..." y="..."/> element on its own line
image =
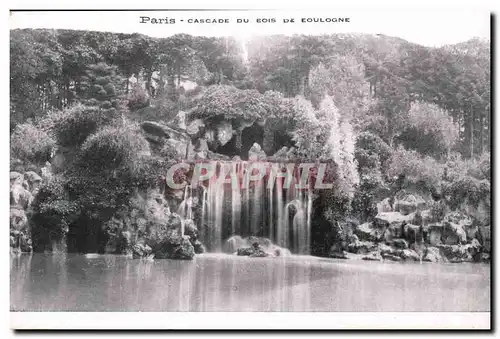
<point x="280" y="211"/>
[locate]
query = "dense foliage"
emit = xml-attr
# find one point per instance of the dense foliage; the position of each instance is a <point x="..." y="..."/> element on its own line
<point x="384" y="111"/>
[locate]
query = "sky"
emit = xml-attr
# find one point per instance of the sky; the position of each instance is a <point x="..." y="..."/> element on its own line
<point x="430" y="28"/>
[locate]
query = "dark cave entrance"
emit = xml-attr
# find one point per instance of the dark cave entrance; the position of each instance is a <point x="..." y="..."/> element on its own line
<point x="249" y="136"/>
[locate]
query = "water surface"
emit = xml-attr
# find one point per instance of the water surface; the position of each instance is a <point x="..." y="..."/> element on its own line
<point x="214" y="282"/>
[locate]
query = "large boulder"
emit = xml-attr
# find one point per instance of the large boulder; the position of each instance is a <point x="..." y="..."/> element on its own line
<point x="389" y="225"/>
<point x="219" y="133"/>
<point x="167" y="140"/>
<point x="191" y="231"/>
<point x="20" y="241"/>
<point x="157" y="129"/>
<point x="141" y="251"/>
<point x="18" y="219"/>
<point x="177" y="148"/>
<point x="371" y="231"/>
<point x="224" y="132"/>
<point x="283" y="154"/>
<point x="407" y="203"/>
<point x="337" y="251"/>
<point x="475" y="249"/>
<point x="256" y="153"/>
<point x="456" y="253"/>
<point x="389" y="253"/>
<point x="338" y="255"/>
<point x="253" y="251"/>
<point x="195" y="129"/>
<point x="246" y="246"/>
<point x="425" y="218"/>
<point x="182" y="250"/>
<point x="20" y="194"/>
<point x="198" y="246"/>
<point x="179" y="121"/>
<point x="394" y="219"/>
<point x="409" y="255"/>
<point x="433" y="254"/>
<point x="366" y="232"/>
<point x="485" y="237"/>
<point x="362" y="247"/>
<point x="34" y="181"/>
<point x="456" y="225"/>
<point x="400" y="244"/>
<point x="435" y="233"/>
<point x="373" y="256"/>
<point x="16" y="178"/>
<point x="20" y="236"/>
<point x="385" y="206"/>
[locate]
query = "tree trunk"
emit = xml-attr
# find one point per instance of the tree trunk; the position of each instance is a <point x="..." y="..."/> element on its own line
<point x="471" y="132"/>
<point x="481" y="134"/>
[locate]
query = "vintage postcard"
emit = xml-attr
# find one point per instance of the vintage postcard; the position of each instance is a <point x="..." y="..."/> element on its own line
<point x="302" y="169"/>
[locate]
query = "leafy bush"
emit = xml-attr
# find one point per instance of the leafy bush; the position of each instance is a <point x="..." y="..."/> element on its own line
<point x="369" y="192"/>
<point x="371" y="145"/>
<point x="230" y="102"/>
<point x="479" y="168"/>
<point x="466" y="189"/>
<point x="366" y="161"/>
<point x="73" y="125"/>
<point x="417" y="169"/>
<point x="308" y="132"/>
<point x="113" y="147"/>
<point x="430" y="130"/>
<point x="31" y="144"/>
<point x="138" y="98"/>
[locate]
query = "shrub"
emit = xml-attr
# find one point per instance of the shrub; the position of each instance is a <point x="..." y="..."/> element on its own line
<point x="230" y="102"/>
<point x="113" y="147"/>
<point x="366" y="161"/>
<point x="417" y="169"/>
<point x="138" y="98"/>
<point x="73" y="125"/>
<point x="467" y="180"/>
<point x="370" y="190"/>
<point x="430" y="130"/>
<point x="466" y="189"/>
<point x="31" y="144"/>
<point x="373" y="145"/>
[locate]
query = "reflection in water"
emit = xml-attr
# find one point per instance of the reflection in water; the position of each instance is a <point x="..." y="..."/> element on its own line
<point x="214" y="282"/>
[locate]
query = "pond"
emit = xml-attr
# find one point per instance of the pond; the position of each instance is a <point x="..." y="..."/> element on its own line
<point x="218" y="282"/>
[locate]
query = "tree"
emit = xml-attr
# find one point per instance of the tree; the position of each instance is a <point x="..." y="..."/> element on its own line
<point x="73" y="125"/>
<point x="342" y="78"/>
<point x="430" y="130"/>
<point x="101" y="86"/>
<point x="31" y="144"/>
<point x="339" y="146"/>
<point x="392" y="105"/>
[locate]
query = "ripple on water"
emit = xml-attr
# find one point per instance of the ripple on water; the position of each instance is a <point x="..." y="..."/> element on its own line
<point x="223" y="282"/>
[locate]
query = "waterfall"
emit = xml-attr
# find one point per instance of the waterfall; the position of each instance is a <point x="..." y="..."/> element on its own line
<point x="278" y="211"/>
<point x="185" y="209"/>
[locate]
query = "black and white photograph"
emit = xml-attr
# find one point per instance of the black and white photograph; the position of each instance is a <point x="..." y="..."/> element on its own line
<point x="240" y="162"/>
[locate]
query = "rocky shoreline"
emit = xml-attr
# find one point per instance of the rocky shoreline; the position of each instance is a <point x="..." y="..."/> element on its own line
<point x="409" y="225"/>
